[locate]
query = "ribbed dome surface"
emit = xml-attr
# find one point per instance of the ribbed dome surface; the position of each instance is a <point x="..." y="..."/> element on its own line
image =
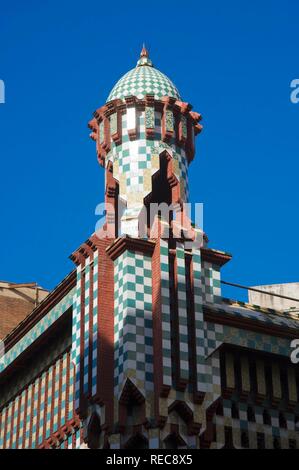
<point x="144" y="79"/>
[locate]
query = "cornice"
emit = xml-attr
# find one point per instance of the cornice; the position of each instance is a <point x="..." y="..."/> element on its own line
<point x="121" y="244"/>
<point x="216" y="257"/>
<point x="248" y="324"/>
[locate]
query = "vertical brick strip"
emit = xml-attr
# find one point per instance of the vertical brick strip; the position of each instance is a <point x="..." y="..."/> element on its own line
<point x="105" y="330"/>
<point x="95" y="324"/>
<point x="82" y="328"/>
<point x="60" y="400"/>
<point x="32" y="413"/>
<point x="167" y="364"/>
<point x="44" y="427"/>
<point x="26" y="413"/>
<point x="90" y="332"/>
<point x="85" y="351"/>
<point x="157" y="325"/>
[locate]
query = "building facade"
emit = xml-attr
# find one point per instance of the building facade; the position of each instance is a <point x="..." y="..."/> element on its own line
<point x="137" y="347"/>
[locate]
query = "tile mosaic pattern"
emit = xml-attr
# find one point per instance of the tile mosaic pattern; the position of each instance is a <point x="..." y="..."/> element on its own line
<point x="95" y="345"/>
<point x="76" y="335"/>
<point x="86" y="325"/>
<point x="199" y="322"/>
<point x="258" y="341"/>
<point x="37" y="330"/>
<point x="39" y="409"/>
<point x="211" y="283"/>
<point x="216" y="334"/>
<point x="166" y="313"/>
<point x="240" y="426"/>
<point x="141" y="81"/>
<point x="89" y="298"/>
<point x="254" y="313"/>
<point x="182" y="313"/>
<point x="133" y="334"/>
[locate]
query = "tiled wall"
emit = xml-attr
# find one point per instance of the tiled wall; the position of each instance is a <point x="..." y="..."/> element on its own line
<point x="40" y="409"/>
<point x="37" y="330"/>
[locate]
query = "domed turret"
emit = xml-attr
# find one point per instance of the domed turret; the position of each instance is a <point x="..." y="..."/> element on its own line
<point x="145" y="141"/>
<point x="142" y="80"/>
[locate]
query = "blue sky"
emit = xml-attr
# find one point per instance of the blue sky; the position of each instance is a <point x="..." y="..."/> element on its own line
<point x="233" y="61"/>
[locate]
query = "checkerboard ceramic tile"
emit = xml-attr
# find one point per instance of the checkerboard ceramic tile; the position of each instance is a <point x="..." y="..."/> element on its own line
<point x="37" y="330"/>
<point x="253" y="312"/>
<point x="258" y="341"/>
<point x="76" y="335"/>
<point x="133" y="335"/>
<point x="182" y="313"/>
<point x="87" y="314"/>
<point x="211" y="283"/>
<point x="199" y="322"/>
<point x="34" y="414"/>
<point x="251" y="430"/>
<point x="95" y="323"/>
<point x="135" y="162"/>
<point x="141" y="81"/>
<point x="165" y="310"/>
<point x="90" y="298"/>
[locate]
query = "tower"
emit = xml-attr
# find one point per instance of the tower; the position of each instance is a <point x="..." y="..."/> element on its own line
<point x="143" y="277"/>
<point x="144" y="136"/>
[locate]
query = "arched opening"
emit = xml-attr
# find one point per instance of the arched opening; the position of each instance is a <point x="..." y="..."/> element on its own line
<point x="131" y="405"/>
<point x="94" y="432"/>
<point x="174" y="441"/>
<point x="244" y="440"/>
<point x="182" y="409"/>
<point x="137" y="442"/>
<point x="161" y="194"/>
<point x="171" y="442"/>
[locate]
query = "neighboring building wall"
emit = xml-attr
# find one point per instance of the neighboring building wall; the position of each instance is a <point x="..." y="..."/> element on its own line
<point x="277" y="303"/>
<point x="15" y="305"/>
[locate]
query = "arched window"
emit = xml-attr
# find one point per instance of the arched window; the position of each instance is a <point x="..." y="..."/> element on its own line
<point x="171" y="442"/>
<point x="244" y="440"/>
<point x="174" y="441"/>
<point x="94" y="432"/>
<point x="137" y="442"/>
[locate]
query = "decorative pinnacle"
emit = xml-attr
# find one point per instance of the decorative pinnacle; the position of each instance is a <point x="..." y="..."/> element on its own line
<point x="144" y="58"/>
<point x="144" y="52"/>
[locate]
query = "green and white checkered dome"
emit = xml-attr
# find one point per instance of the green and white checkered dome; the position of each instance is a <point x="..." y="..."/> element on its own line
<point x="142" y="80"/>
